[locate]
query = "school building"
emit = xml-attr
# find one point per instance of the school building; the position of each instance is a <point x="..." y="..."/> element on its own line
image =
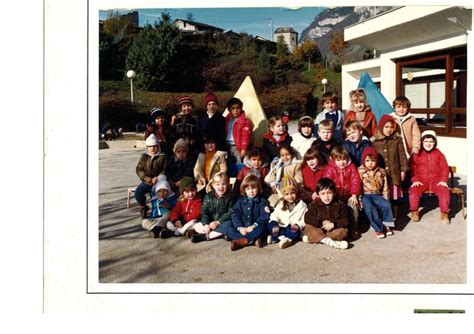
<point x="421" y="52"/>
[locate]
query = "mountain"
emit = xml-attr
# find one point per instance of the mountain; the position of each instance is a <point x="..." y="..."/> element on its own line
<point x="338" y="18"/>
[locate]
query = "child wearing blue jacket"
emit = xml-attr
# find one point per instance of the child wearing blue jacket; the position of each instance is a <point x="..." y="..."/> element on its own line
<point x="250" y="215"/>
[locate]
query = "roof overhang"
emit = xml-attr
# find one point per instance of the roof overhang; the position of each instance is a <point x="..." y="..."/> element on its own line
<point x="409" y="25"/>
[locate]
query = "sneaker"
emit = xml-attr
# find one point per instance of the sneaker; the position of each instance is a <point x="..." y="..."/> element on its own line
<point x="260" y="242"/>
<point x="165" y="234"/>
<point x="198" y="237"/>
<point x="155" y="232"/>
<point x="190" y="233"/>
<point x="388" y="230"/>
<point x="379" y="235"/>
<point x="415" y="216"/>
<point x="285" y="243"/>
<point x="144" y="211"/>
<point x="444" y="217"/>
<point x="341" y="244"/>
<point x="305" y="239"/>
<point x="238" y="244"/>
<point x="269" y="240"/>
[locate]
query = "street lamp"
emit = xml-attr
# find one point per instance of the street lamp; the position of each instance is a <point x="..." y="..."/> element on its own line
<point x="131" y="74"/>
<point x="324" y="82"/>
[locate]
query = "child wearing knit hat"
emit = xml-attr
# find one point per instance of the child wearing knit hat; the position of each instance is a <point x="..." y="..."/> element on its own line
<point x="180" y="165"/>
<point x="430" y="171"/>
<point x="211" y="123"/>
<point x="184" y="124"/>
<point x="159" y="128"/>
<point x="375" y="200"/>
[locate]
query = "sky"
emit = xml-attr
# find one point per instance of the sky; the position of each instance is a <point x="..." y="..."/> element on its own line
<point x="254" y="21"/>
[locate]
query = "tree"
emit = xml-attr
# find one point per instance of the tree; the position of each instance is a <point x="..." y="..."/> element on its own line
<point x="337" y="44"/>
<point x="153" y="55"/>
<point x="308" y="51"/>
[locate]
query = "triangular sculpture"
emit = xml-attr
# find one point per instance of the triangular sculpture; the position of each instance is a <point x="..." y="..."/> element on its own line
<point x="379" y="104"/>
<point x="253" y="110"/>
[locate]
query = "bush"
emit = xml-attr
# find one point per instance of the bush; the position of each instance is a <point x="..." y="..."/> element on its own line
<point x="119" y="113"/>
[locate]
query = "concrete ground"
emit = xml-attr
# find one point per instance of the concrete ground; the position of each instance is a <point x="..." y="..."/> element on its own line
<point x="427" y="252"/>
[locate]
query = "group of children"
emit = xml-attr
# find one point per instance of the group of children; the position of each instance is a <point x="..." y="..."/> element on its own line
<point x="311" y="185"/>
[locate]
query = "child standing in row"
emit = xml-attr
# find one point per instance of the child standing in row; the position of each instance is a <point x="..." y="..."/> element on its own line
<point x="355" y="142"/>
<point x="238" y="131"/>
<point x="312" y="170"/>
<point x="250" y="215"/>
<point x="326" y="220"/>
<point x="184" y="125"/>
<point x="211" y="123"/>
<point x="362" y="113"/>
<point x="287" y="220"/>
<point x="159" y="129"/>
<point x="275" y="137"/>
<point x="331" y="112"/>
<point x="375" y="199"/>
<point x="208" y="163"/>
<point x="303" y="139"/>
<point x="325" y="143"/>
<point x="410" y="132"/>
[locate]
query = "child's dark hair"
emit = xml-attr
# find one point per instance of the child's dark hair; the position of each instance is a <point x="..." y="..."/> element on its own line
<point x="233" y="101"/>
<point x="352" y="124"/>
<point x="325" y="183"/>
<point x="329" y="97"/>
<point x="287" y="147"/>
<point x="250" y="181"/>
<point x="312" y="153"/>
<point x="339" y="153"/>
<point x="256" y="151"/>
<point x="402" y="100"/>
<point x="305" y="121"/>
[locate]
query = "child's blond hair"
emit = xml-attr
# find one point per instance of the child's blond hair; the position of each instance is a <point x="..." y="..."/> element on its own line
<point x="326" y="124"/>
<point x="358" y="95"/>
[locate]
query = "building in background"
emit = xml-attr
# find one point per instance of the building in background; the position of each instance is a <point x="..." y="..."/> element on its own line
<point x="196" y="27"/>
<point x="289" y="35"/>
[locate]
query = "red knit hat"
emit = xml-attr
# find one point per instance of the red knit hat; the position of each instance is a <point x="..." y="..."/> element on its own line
<point x="369" y="151"/>
<point x="385" y="119"/>
<point x="185" y="99"/>
<point x="208" y="98"/>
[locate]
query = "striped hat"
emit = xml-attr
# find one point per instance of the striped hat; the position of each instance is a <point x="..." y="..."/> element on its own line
<point x="287" y="183"/>
<point x="155" y="112"/>
<point x="185" y="99"/>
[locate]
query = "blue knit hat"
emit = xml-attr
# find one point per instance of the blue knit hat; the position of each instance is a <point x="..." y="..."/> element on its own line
<point x="156" y="112"/>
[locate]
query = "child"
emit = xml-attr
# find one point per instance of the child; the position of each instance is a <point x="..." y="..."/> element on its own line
<point x="159" y="129"/>
<point x="285" y="165"/>
<point x="344" y="173"/>
<point x="430" y="171"/>
<point x="327" y="219"/>
<point x="209" y="163"/>
<point x="150" y="165"/>
<point x="216" y="210"/>
<point x="331" y="112"/>
<point x="325" y="143"/>
<point x="362" y="113"/>
<point x="275" y="137"/>
<point x="390" y="146"/>
<point x="303" y="139"/>
<point x="211" y="123"/>
<point x="184" y="124"/>
<point x="254" y="164"/>
<point x="250" y="215"/>
<point x="161" y="205"/>
<point x="180" y="165"/>
<point x="287" y="220"/>
<point x="186" y="212"/>
<point x="355" y="142"/>
<point x="410" y="132"/>
<point x="312" y="170"/>
<point x="375" y="199"/>
<point x="238" y="130"/>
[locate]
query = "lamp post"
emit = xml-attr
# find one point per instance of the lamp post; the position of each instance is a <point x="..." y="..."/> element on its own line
<point x="324" y="81"/>
<point x="131" y="74"/>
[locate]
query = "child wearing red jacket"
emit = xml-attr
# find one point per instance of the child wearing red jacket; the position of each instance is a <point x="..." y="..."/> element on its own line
<point x="430" y="171"/>
<point x="255" y="164"/>
<point x="344" y="173"/>
<point x="238" y="130"/>
<point x="312" y="169"/>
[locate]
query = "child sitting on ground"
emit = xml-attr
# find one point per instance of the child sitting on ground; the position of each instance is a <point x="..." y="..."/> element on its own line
<point x="344" y="173"/>
<point x="327" y="218"/>
<point x="355" y="142"/>
<point x="186" y="212"/>
<point x="362" y="113"/>
<point x="150" y="165"/>
<point x="250" y="215"/>
<point x="430" y="171"/>
<point x="287" y="165"/>
<point x="216" y="210"/>
<point x="275" y="137"/>
<point x="208" y="163"/>
<point x="325" y="142"/>
<point x="180" y="165"/>
<point x="161" y="205"/>
<point x="287" y="220"/>
<point x="254" y="164"/>
<point x="375" y="200"/>
<point x="331" y="112"/>
<point x="410" y="132"/>
<point x="238" y="131"/>
<point x="303" y="139"/>
<point x="312" y="170"/>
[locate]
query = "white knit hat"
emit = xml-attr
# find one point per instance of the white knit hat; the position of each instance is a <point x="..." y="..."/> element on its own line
<point x="152" y="140"/>
<point x="180" y="143"/>
<point x="429" y="133"/>
<point x="162" y="183"/>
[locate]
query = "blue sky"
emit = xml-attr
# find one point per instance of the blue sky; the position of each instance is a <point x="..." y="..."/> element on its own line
<point x="254" y="21"/>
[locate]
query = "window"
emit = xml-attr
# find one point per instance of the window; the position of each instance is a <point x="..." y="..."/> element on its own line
<point x="436" y="86"/>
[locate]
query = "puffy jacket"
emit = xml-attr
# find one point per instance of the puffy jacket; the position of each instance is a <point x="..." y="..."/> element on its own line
<point x="218" y="164"/>
<point x="286" y="217"/>
<point x="429" y="167"/>
<point x="311" y="177"/>
<point x="188" y="209"/>
<point x="247" y="212"/>
<point x="271" y="146"/>
<point x="347" y="179"/>
<point x="355" y="150"/>
<point x="150" y="166"/>
<point x="214" y="208"/>
<point x="241" y="131"/>
<point x="336" y="212"/>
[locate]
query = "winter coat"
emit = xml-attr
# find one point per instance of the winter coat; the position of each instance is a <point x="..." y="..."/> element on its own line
<point x="163" y="135"/>
<point x="370" y="123"/>
<point x="301" y="144"/>
<point x="355" y="149"/>
<point x="410" y="132"/>
<point x="150" y="166"/>
<point x="215" y="127"/>
<point x="347" y="179"/>
<point x="176" y="169"/>
<point x="246" y="170"/>
<point x="247" y="212"/>
<point x="271" y="146"/>
<point x="284" y="217"/>
<point x="157" y="205"/>
<point x="185" y="126"/>
<point x="218" y="164"/>
<point x="310" y="179"/>
<point x="187" y="209"/>
<point x="394" y="158"/>
<point x="429" y="167"/>
<point x="324" y="148"/>
<point x="336" y="212"/>
<point x="374" y="181"/>
<point x="214" y="208"/>
<point x="241" y="131"/>
<point x="337" y="127"/>
<point x="277" y="171"/>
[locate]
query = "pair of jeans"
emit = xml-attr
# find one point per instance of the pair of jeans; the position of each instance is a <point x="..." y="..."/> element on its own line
<point x="234" y="234"/>
<point x="282" y="231"/>
<point x="141" y="191"/>
<point x="378" y="210"/>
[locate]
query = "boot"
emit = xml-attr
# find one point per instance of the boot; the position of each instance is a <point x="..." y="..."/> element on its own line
<point x="415" y="216"/>
<point x="444" y="217"/>
<point x="238" y="244"/>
